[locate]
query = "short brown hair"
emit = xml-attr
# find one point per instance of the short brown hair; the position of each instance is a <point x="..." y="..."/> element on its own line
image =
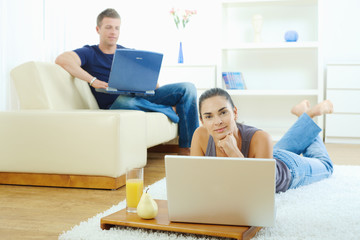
<point x="109" y="12"/>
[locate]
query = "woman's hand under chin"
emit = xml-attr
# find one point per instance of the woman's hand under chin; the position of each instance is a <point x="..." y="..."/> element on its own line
<point x="228" y="145"/>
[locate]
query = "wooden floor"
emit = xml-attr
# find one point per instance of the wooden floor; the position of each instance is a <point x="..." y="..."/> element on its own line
<point x="43" y="212"/>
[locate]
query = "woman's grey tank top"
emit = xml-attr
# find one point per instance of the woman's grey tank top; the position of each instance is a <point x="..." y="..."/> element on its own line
<point x="283" y="175"/>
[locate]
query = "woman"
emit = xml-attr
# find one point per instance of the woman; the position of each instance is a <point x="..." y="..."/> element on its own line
<point x="220" y="135"/>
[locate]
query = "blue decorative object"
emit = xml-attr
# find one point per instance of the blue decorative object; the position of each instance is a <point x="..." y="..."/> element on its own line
<point x="181" y="57"/>
<point x="291" y="36"/>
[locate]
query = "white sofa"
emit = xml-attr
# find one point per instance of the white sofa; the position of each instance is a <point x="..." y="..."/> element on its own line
<point x="60" y="137"/>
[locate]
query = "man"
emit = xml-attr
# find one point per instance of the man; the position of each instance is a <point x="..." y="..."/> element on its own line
<point x="93" y="63"/>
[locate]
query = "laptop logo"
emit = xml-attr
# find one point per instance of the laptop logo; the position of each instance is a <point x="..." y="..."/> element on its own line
<point x="139" y="58"/>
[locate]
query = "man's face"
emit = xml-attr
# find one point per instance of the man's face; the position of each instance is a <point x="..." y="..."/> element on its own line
<point x="109" y="31"/>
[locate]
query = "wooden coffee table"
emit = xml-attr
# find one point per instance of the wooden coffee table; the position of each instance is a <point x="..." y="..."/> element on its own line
<point x="161" y="222"/>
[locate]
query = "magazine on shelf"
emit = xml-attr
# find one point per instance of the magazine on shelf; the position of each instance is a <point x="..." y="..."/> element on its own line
<point x="233" y="80"/>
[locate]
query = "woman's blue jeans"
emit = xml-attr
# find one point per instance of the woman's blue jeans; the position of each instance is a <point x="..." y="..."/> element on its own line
<point x="303" y="138"/>
<point x="182" y="95"/>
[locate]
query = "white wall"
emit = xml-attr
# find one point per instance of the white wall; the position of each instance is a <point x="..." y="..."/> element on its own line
<point x="42" y="29"/>
<point x="148" y="25"/>
<point x="3" y="85"/>
<point x="341" y="31"/>
<point x="21" y="40"/>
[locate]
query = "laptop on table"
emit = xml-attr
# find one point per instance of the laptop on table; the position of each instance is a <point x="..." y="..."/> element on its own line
<point x="226" y="191"/>
<point x="134" y="72"/>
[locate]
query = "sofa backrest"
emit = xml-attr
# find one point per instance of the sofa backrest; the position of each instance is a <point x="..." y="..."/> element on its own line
<point x="43" y="85"/>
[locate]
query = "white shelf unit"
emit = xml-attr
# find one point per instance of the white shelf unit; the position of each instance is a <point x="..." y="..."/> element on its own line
<point x="277" y="74"/>
<point x="343" y="89"/>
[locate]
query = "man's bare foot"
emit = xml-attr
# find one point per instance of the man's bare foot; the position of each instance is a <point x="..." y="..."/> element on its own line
<point x="325" y="107"/>
<point x="300" y="108"/>
<point x="184" y="151"/>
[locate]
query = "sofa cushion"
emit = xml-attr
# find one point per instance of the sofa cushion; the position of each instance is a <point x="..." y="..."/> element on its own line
<point x="82" y="142"/>
<point x="159" y="129"/>
<point x="42" y="85"/>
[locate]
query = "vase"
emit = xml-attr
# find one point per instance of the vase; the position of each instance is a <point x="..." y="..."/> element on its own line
<point x="257" y="21"/>
<point x="291" y="36"/>
<point x="181" y="56"/>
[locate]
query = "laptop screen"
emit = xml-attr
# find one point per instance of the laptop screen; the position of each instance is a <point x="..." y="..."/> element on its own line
<point x="135" y="70"/>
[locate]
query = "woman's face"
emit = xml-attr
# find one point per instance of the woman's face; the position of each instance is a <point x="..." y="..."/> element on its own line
<point x="218" y="117"/>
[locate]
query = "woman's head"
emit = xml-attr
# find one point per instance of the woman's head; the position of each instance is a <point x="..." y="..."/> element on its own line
<point x="217" y="113"/>
<point x="213" y="92"/>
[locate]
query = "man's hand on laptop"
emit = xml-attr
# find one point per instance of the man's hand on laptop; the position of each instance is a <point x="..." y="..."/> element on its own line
<point x="99" y="84"/>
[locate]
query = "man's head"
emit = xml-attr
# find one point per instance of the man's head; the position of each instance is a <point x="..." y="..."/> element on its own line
<point x="108" y="28"/>
<point x="109" y="13"/>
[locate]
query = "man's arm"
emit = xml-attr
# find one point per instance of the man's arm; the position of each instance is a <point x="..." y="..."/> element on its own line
<point x="71" y="62"/>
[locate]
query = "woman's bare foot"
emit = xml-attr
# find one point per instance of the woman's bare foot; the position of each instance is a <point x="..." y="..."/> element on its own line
<point x="324" y="107"/>
<point x="300" y="108"/>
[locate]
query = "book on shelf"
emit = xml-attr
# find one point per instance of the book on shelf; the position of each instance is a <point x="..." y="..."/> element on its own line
<point x="233" y="80"/>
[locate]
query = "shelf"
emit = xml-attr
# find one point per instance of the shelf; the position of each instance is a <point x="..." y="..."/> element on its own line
<point x="343" y="89"/>
<point x="309" y="92"/>
<point x="342" y="63"/>
<point x="276" y="72"/>
<point x="230" y="3"/>
<point x="183" y="65"/>
<point x="278" y="17"/>
<point x="270" y="45"/>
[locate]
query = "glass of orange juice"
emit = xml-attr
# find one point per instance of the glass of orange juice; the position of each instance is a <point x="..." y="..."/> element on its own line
<point x="134" y="188"/>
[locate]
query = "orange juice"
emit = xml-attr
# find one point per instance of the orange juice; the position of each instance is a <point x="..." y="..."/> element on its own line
<point x="134" y="190"/>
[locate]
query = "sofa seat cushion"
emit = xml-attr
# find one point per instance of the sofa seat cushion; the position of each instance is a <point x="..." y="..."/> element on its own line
<point x="81" y="142"/>
<point x="159" y="129"/>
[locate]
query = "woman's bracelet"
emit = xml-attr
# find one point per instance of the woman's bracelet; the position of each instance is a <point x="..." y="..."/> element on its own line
<point x="92" y="81"/>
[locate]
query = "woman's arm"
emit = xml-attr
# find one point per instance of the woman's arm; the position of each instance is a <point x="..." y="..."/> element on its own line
<point x="229" y="146"/>
<point x="199" y="140"/>
<point x="261" y="145"/>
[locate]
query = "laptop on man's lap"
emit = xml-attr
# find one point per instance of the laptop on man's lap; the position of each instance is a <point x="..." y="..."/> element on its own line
<point x="134" y="72"/>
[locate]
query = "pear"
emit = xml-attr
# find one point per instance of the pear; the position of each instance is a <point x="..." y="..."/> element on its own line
<point x="147" y="207"/>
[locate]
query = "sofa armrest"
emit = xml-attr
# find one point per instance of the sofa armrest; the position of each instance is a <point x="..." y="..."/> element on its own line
<point x="79" y="142"/>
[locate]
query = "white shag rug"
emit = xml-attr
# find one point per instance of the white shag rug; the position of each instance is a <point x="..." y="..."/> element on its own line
<point x="329" y="209"/>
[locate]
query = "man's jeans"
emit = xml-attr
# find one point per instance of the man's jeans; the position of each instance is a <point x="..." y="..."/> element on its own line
<point x="181" y="95"/>
<point x="303" y="138"/>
